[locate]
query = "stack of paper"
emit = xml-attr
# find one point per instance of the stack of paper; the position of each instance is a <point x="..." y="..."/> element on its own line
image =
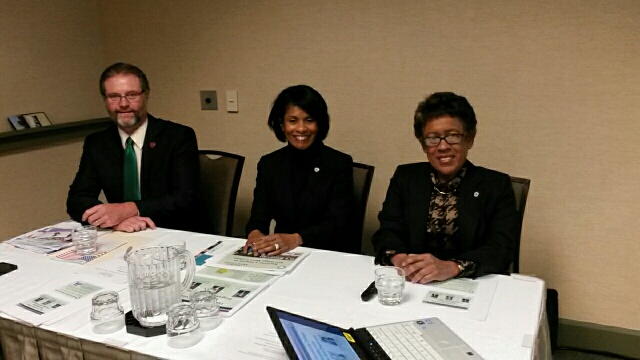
<point x="276" y="265"/>
<point x="48" y="239"/>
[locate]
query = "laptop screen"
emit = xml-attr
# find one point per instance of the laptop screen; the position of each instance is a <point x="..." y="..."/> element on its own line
<point x="315" y="340"/>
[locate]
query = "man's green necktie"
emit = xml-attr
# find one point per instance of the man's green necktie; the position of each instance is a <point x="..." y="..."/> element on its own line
<point x="131" y="187"/>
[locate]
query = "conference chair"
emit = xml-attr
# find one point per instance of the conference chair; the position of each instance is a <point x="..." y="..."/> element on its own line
<point x="219" y="179"/>
<point x="521" y="190"/>
<point x="362" y="178"/>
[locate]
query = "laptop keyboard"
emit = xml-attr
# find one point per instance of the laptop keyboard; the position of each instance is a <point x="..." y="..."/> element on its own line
<point x="403" y="341"/>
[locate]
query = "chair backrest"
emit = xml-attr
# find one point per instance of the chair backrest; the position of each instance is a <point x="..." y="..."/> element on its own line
<point x="521" y="190"/>
<point x="362" y="178"/>
<point x="219" y="179"/>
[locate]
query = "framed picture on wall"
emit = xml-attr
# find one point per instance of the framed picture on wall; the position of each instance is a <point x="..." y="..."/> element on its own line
<point x="29" y="121"/>
<point x="18" y="122"/>
<point x="37" y="119"/>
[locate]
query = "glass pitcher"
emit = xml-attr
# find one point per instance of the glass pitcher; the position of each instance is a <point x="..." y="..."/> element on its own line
<point x="154" y="281"/>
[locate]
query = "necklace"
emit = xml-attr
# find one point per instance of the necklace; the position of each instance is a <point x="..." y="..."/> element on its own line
<point x="435" y="186"/>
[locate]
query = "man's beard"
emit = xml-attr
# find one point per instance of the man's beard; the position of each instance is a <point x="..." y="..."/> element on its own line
<point x="129" y="122"/>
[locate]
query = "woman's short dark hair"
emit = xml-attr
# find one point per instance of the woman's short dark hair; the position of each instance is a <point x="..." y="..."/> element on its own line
<point x="123" y="68"/>
<point x="306" y="98"/>
<point x="441" y="104"/>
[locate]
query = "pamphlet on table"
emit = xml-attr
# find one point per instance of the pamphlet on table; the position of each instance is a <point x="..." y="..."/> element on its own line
<point x="468" y="296"/>
<point x="233" y="288"/>
<point x="103" y="246"/>
<point x="277" y="265"/>
<point x="48" y="239"/>
<point x="56" y="299"/>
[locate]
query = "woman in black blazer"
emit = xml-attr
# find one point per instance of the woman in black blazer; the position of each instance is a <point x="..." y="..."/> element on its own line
<point x="306" y="187"/>
<point x="447" y="218"/>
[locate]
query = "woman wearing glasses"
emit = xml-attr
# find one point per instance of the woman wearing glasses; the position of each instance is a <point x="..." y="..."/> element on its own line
<point x="306" y="187"/>
<point x="447" y="218"/>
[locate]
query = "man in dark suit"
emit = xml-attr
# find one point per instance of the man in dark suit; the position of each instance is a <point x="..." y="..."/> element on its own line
<point x="148" y="168"/>
<point x="447" y="218"/>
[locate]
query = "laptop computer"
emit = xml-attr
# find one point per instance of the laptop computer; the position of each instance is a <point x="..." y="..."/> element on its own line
<point x="428" y="338"/>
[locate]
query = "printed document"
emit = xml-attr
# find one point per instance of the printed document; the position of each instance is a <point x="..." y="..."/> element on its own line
<point x="48" y="239"/>
<point x="104" y="246"/>
<point x="233" y="288"/>
<point x="471" y="297"/>
<point x="230" y="295"/>
<point x="278" y="264"/>
<point x="57" y="299"/>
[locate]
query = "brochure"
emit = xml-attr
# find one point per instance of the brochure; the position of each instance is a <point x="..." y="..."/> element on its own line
<point x="56" y="299"/>
<point x="277" y="265"/>
<point x="48" y="239"/>
<point x="231" y="293"/>
<point x="104" y="246"/>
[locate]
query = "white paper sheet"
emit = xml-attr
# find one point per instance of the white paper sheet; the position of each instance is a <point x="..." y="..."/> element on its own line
<point x="266" y="346"/>
<point x="231" y="295"/>
<point x="481" y="296"/>
<point x="103" y="247"/>
<point x="57" y="299"/>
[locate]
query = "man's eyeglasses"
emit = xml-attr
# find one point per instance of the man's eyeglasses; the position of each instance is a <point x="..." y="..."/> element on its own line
<point x="451" y="139"/>
<point x="132" y="96"/>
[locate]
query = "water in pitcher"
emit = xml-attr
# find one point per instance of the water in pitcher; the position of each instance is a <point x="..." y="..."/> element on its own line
<point x="154" y="282"/>
<point x="150" y="301"/>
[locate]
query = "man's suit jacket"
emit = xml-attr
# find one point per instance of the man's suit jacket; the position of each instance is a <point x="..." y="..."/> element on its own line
<point x="323" y="217"/>
<point x="169" y="176"/>
<point x="488" y="223"/>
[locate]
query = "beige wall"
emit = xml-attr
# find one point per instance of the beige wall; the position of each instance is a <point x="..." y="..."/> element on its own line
<point x="50" y="59"/>
<point x="50" y="54"/>
<point x="554" y="85"/>
<point x="35" y="179"/>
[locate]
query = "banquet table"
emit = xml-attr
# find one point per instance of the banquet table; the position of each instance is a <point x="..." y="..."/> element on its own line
<point x="506" y="319"/>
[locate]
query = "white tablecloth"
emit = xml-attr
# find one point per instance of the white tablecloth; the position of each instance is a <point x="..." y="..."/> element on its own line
<point x="326" y="286"/>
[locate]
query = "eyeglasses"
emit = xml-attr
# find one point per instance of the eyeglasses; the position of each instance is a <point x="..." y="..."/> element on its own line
<point x="451" y="139"/>
<point x="132" y="96"/>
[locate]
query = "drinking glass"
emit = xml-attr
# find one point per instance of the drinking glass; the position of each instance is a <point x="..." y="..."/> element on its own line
<point x="85" y="239"/>
<point x="107" y="315"/>
<point x="207" y="309"/>
<point x="183" y="327"/>
<point x="389" y="283"/>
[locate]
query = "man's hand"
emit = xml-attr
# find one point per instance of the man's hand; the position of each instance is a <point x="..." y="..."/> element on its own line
<point x="109" y="215"/>
<point x="424" y="268"/>
<point x="135" y="223"/>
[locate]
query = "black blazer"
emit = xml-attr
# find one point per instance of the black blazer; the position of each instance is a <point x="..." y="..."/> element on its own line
<point x="487" y="217"/>
<point x="169" y="177"/>
<point x="323" y="214"/>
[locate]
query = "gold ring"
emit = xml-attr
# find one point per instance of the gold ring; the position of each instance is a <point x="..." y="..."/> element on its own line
<point x="277" y="246"/>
